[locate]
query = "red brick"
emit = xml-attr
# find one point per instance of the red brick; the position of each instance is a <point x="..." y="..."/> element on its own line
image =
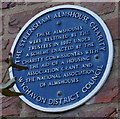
<point x="21" y="3"/>
<point x="99" y="110"/>
<point x="4" y="67"/>
<point x="113" y="27"/>
<point x="108" y="93"/>
<point x="64" y="3"/>
<point x="119" y="87"/>
<point x="31" y="2"/>
<point x="10" y="111"/>
<point x="108" y="96"/>
<point x="6" y="5"/>
<point x="102" y="112"/>
<point x="10" y="106"/>
<point x="28" y="111"/>
<point x="7" y="101"/>
<point x="100" y="8"/>
<point x="1" y="25"/>
<point x="0" y="5"/>
<point x="7" y="50"/>
<point x="5" y="55"/>
<point x="18" y="20"/>
<point x="14" y="29"/>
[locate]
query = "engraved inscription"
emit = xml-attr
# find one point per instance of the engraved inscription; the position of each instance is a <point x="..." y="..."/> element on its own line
<point x="64" y="100"/>
<point x="65" y="51"/>
<point x="54" y="54"/>
<point x="75" y="15"/>
<point x="42" y="49"/>
<point x="93" y="79"/>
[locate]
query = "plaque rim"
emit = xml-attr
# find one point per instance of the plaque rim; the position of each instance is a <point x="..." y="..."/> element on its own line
<point x="105" y="74"/>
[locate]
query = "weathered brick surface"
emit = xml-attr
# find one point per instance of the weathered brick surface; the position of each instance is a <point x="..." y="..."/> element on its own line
<point x="31" y="2"/>
<point x="113" y="27"/>
<point x="108" y="93"/>
<point x="17" y="20"/>
<point x="6" y="5"/>
<point x="102" y="110"/>
<point x="99" y="8"/>
<point x="10" y="106"/>
<point x="20" y="3"/>
<point x="5" y="56"/>
<point x="27" y="110"/>
<point x="1" y="25"/>
<point x="3" y="69"/>
<point x="7" y="50"/>
<point x="37" y="1"/>
<point x="65" y="3"/>
<point x="110" y="90"/>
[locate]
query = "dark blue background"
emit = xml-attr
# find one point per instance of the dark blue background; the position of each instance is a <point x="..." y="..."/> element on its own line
<point x="68" y="89"/>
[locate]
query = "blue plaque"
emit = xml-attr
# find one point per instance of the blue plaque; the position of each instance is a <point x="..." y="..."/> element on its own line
<point x="68" y="50"/>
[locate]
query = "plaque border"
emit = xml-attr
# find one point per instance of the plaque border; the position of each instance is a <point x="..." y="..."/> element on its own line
<point x="106" y="72"/>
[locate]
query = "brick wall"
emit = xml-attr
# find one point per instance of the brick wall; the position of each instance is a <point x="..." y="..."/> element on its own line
<point x="104" y="103"/>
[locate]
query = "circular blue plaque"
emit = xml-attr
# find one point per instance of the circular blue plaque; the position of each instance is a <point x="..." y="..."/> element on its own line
<point x="68" y="50"/>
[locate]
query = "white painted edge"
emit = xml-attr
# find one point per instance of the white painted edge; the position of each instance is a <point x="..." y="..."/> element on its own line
<point x="105" y="75"/>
